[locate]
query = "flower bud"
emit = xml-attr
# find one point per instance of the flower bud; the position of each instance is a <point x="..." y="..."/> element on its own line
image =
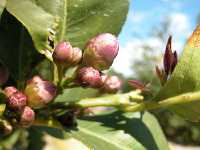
<point x="3" y="75"/>
<point x="63" y="54"/>
<point x="27" y="116"/>
<point x="77" y="55"/>
<point x="111" y="84"/>
<point x="8" y="91"/>
<point x="17" y="100"/>
<point x="39" y="92"/>
<point x="170" y="58"/>
<point x="100" y="51"/>
<point x="88" y="76"/>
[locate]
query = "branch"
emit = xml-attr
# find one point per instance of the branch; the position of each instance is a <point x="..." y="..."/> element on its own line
<point x="180" y="99"/>
<point x="116" y="100"/>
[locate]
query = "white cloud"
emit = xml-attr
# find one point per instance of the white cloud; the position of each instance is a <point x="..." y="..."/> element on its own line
<point x="133" y="51"/>
<point x="179" y="25"/>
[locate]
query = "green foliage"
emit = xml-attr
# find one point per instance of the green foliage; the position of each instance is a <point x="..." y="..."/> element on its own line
<point x="30" y="25"/>
<point x="16" y="48"/>
<point x="113" y="131"/>
<point x="75" y="94"/>
<point x="72" y="20"/>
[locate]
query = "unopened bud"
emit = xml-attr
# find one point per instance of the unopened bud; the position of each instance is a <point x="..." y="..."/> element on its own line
<point x="27" y="116"/>
<point x="101" y="51"/>
<point x="3" y="75"/>
<point x="88" y="76"/>
<point x="17" y="100"/>
<point x="8" y="91"/>
<point x="39" y="92"/>
<point x="170" y="58"/>
<point x="111" y="84"/>
<point x="63" y="53"/>
<point x="77" y="55"/>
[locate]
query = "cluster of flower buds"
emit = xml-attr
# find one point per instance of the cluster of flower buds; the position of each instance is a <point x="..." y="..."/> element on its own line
<point x="99" y="54"/>
<point x="17" y="101"/>
<point x="169" y="62"/>
<point x="64" y="54"/>
<point x="4" y="74"/>
<point x="37" y="94"/>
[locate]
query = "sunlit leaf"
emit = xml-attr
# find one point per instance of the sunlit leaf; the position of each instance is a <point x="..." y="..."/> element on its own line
<point x="186" y="79"/>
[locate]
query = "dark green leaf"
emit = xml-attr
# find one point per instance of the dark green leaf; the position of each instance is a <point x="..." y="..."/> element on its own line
<point x="16" y="48"/>
<point x="186" y="79"/>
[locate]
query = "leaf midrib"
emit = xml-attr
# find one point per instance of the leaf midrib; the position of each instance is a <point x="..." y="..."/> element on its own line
<point x="64" y="22"/>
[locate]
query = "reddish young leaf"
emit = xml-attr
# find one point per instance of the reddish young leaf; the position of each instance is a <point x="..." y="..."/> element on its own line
<point x="138" y="85"/>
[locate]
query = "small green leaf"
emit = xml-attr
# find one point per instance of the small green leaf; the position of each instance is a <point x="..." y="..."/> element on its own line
<point x="186" y="79"/>
<point x="75" y="94"/>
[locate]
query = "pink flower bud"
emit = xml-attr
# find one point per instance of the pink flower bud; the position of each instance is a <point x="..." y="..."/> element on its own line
<point x="100" y="51"/>
<point x="17" y="100"/>
<point x="27" y="116"/>
<point x="8" y="91"/>
<point x="111" y="84"/>
<point x="39" y="92"/>
<point x="88" y="76"/>
<point x="3" y="75"/>
<point x="77" y="55"/>
<point x="63" y="53"/>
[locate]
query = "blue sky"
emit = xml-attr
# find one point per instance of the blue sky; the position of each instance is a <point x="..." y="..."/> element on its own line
<point x="143" y="16"/>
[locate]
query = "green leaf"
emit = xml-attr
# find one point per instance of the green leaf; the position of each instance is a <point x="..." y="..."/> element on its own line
<point x="113" y="132"/>
<point x="185" y="79"/>
<point x="37" y="21"/>
<point x="9" y="141"/>
<point x="2" y="6"/>
<point x="119" y="132"/>
<point x="75" y="94"/>
<point x="73" y="20"/>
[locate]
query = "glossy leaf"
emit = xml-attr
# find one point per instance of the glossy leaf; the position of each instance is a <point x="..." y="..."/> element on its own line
<point x="186" y="79"/>
<point x="36" y="20"/>
<point x="111" y="132"/>
<point x="121" y="132"/>
<point x="73" y="20"/>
